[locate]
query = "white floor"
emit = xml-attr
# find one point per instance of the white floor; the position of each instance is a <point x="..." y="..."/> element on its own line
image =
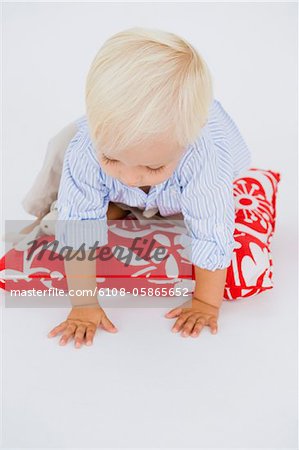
<point x="146" y="387"/>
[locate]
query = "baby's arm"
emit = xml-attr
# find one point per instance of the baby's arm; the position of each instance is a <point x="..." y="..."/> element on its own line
<point x="82" y="206"/>
<point x="209" y="286"/>
<point x="86" y="314"/>
<point x="207" y="203"/>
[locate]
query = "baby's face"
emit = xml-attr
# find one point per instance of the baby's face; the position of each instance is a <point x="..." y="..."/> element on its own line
<point x="145" y="165"/>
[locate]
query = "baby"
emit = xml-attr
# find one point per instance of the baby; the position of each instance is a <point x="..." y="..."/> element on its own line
<point x="153" y="138"/>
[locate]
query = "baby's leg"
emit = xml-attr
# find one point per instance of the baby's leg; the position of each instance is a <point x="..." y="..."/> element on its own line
<point x="45" y="187"/>
<point x="113" y="213"/>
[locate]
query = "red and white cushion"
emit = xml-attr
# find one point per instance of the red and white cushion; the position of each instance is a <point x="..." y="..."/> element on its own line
<point x="250" y="272"/>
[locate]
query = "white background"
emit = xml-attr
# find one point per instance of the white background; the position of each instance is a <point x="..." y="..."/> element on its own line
<point x="146" y="387"/>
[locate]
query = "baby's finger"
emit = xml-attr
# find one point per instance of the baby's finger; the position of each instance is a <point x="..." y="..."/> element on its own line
<point x="79" y="335"/>
<point x="200" y="323"/>
<point x="90" y="332"/>
<point x="213" y="326"/>
<point x="108" y="325"/>
<point x="180" y="322"/>
<point x="188" y="326"/>
<point x="173" y="313"/>
<point x="62" y="326"/>
<point x="67" y="334"/>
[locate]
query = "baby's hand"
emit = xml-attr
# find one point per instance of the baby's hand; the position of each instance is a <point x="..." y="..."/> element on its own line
<point x="81" y="324"/>
<point x="191" y="320"/>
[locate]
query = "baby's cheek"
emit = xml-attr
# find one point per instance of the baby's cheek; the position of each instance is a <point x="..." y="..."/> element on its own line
<point x="114" y="172"/>
<point x="117" y="173"/>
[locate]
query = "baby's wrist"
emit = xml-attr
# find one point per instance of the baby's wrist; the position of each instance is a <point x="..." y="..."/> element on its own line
<point x="86" y="305"/>
<point x="82" y="302"/>
<point x="197" y="299"/>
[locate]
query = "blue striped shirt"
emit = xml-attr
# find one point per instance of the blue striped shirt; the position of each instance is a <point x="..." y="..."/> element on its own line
<point x="200" y="188"/>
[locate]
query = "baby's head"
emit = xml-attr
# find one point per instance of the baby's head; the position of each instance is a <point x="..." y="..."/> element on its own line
<point x="148" y="93"/>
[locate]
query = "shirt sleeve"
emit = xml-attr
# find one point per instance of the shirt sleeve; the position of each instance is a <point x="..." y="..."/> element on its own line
<point x="82" y="200"/>
<point x="221" y="123"/>
<point x="207" y="203"/>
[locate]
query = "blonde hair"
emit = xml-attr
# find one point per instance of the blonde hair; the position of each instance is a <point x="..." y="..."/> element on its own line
<point x="143" y="83"/>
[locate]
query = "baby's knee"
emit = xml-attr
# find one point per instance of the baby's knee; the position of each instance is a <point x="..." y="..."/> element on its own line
<point x="115" y="212"/>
